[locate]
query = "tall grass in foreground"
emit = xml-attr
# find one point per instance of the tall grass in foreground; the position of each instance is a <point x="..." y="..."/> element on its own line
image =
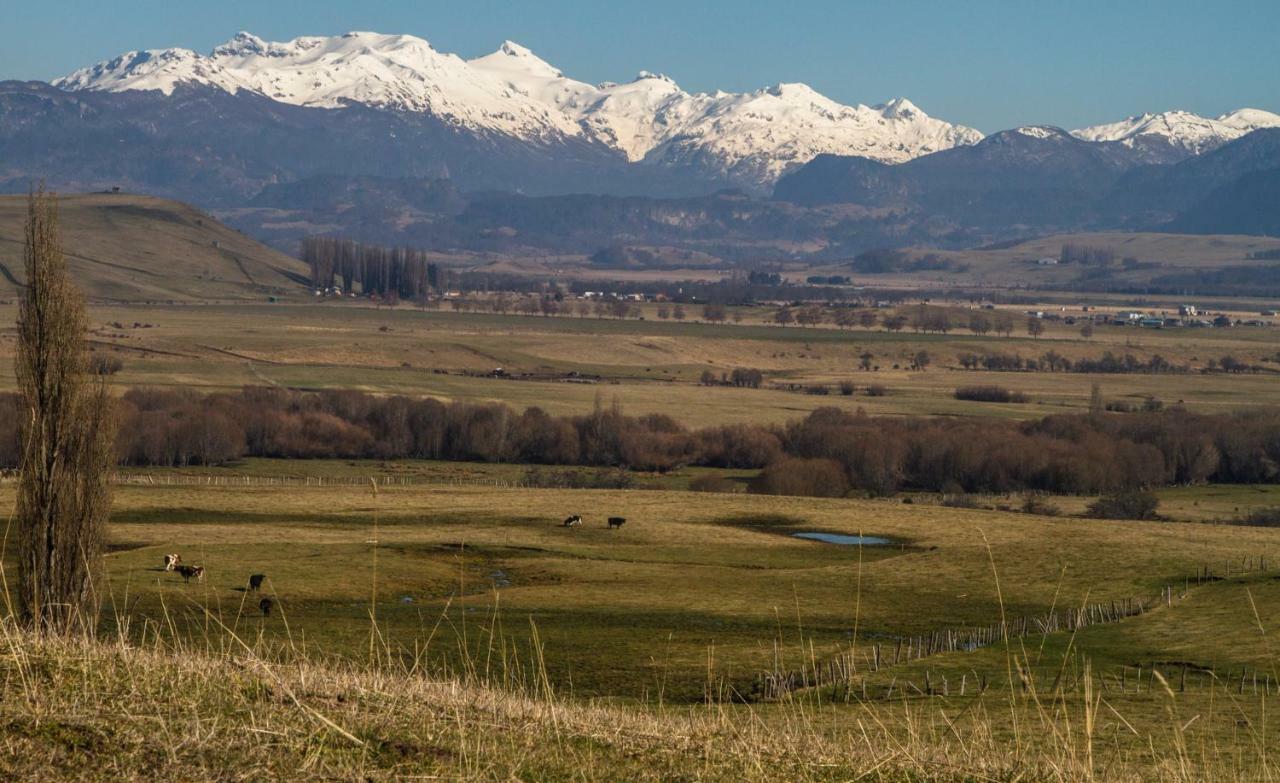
<point x="112" y="710"/>
<point x="224" y="701"/>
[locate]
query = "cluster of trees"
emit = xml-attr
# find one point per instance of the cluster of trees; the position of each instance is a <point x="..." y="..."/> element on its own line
<point x="386" y="272"/>
<point x="741" y="377"/>
<point x="1087" y="255"/>
<point x="990" y="394"/>
<point x="1231" y="364"/>
<point x="1052" y="361"/>
<point x="883" y="261"/>
<point x="1085" y="453"/>
<point x="762" y="277"/>
<point x="176" y="427"/>
<point x="828" y="280"/>
<point x="920" y="318"/>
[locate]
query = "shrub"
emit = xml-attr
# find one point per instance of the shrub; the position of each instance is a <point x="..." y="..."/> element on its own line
<point x="738" y="446"/>
<point x="819" y="478"/>
<point x="877" y="390"/>
<point x="1259" y="517"/>
<point x="990" y="394"/>
<point x="1127" y="504"/>
<point x="1036" y="504"/>
<point x="847" y="388"/>
<point x="101" y="364"/>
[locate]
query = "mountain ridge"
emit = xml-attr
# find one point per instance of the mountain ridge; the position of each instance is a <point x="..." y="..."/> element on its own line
<point x="750" y="137"/>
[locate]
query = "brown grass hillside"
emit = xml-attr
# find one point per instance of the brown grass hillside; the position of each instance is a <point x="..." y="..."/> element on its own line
<point x="130" y="248"/>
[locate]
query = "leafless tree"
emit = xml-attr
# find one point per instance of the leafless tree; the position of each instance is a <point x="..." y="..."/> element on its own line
<point x="67" y="434"/>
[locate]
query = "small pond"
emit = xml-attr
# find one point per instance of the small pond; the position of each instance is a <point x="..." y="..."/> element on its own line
<point x="839" y="538"/>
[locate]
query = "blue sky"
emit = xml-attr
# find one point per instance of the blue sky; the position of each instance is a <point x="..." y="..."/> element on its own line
<point x="991" y="65"/>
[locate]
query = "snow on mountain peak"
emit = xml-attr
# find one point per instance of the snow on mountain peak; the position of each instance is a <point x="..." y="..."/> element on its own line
<point x="650" y="75"/>
<point x="514" y="49"/>
<point x="1040" y="131"/>
<point x="1178" y="131"/>
<point x="153" y="69"/>
<point x="1250" y="119"/>
<point x="754" y="136"/>
<point x="899" y="108"/>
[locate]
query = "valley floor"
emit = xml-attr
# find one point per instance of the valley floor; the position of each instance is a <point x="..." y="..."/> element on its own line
<point x="461" y="631"/>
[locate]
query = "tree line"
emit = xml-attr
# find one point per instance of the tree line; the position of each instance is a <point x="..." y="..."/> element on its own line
<point x="1075" y="454"/>
<point x="1052" y="361"/>
<point x="385" y="272"/>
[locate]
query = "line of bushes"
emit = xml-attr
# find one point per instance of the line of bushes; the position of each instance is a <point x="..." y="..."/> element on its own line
<point x="831" y="452"/>
<point x="990" y="394"/>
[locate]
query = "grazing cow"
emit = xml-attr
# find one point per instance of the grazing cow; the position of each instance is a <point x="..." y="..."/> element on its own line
<point x="190" y="572"/>
<point x="573" y="521"/>
<point x="172" y="561"/>
<point x="616" y="522"/>
<point x="255" y="581"/>
<point x="265" y="605"/>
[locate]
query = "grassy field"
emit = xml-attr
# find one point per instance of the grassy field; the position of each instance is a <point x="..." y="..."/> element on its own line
<point x="691" y="574"/>
<point x="479" y="586"/>
<point x="649" y="366"/>
<point x="449" y="626"/>
<point x="126" y="247"/>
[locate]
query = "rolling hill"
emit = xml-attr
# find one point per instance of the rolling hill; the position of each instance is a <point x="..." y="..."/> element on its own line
<point x="123" y="247"/>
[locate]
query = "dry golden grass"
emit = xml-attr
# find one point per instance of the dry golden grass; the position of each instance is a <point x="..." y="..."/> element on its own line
<point x="648" y="366"/>
<point x="243" y="710"/>
<point x="126" y="247"/>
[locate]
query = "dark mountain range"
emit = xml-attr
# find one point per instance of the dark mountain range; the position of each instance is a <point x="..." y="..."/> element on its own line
<point x="219" y="149"/>
<point x="1042" y="180"/>
<point x="1160" y="192"/>
<point x="282" y="171"/>
<point x="1249" y="204"/>
<point x="1015" y="184"/>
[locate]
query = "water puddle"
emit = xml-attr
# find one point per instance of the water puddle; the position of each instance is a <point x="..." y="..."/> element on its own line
<point x="843" y="540"/>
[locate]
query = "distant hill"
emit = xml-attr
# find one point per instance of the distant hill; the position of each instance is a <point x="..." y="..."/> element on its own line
<point x="1042" y="180"/>
<point x="123" y="247"/>
<point x="1248" y="205"/>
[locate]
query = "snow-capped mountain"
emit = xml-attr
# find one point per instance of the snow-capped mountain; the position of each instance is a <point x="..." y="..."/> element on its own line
<point x="1173" y="135"/>
<point x="752" y="137"/>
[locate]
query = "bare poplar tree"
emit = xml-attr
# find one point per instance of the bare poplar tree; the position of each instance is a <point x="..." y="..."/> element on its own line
<point x="67" y="436"/>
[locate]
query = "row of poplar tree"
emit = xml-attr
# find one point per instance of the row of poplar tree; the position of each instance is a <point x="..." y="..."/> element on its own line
<point x="386" y="272"/>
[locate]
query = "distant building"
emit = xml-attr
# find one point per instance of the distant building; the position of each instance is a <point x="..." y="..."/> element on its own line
<point x="1046" y="261"/>
<point x="1187" y="311"/>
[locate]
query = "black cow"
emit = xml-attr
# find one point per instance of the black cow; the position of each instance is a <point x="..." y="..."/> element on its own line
<point x="265" y="605"/>
<point x="616" y="522"/>
<point x="189" y="572"/>
<point x="255" y="581"/>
